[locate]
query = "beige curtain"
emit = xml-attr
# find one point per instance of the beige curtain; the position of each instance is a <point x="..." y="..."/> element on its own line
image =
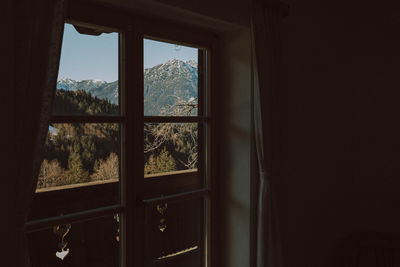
<point x="266" y="23"/>
<point x="39" y="26"/>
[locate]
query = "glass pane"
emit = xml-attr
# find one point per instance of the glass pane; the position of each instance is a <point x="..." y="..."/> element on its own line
<point x="170" y="147"/>
<point x="170" y="79"/>
<point x="80" y="153"/>
<point x="174" y="234"/>
<point x="91" y="243"/>
<point x="80" y="169"/>
<point x="88" y="74"/>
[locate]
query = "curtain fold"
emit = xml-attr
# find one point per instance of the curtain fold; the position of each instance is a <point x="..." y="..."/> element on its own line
<point x="266" y="50"/>
<point x="39" y="28"/>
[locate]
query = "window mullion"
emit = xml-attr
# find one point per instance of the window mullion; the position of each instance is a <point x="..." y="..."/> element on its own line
<point x="132" y="191"/>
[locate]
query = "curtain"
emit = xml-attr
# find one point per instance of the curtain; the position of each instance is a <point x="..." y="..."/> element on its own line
<point x="265" y="25"/>
<point x="39" y="26"/>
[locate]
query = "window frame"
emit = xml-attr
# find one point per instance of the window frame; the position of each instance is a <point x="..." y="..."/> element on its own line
<point x="133" y="28"/>
<point x="185" y="35"/>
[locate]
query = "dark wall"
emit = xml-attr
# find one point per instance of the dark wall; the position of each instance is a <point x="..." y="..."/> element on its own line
<point x="7" y="133"/>
<point x="340" y="163"/>
<point x="234" y="11"/>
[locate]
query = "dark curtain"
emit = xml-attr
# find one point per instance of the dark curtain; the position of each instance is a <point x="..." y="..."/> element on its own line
<point x="39" y="26"/>
<point x="266" y="28"/>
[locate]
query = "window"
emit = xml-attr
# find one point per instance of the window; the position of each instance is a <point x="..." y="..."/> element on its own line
<point x="127" y="178"/>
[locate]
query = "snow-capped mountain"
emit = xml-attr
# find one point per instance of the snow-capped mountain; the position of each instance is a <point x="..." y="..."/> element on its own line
<point x="164" y="85"/>
<point x="98" y="88"/>
<point x="169" y="83"/>
<point x="73" y="85"/>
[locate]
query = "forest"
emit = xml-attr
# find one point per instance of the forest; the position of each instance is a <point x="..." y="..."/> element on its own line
<point x="84" y="152"/>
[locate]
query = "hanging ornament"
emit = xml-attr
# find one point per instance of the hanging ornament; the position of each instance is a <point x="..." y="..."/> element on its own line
<point x="162" y="208"/>
<point x="116" y="218"/>
<point x="163" y="225"/>
<point x="62" y="231"/>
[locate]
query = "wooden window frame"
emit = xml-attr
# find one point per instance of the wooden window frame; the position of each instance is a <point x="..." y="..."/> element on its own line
<point x="133" y="187"/>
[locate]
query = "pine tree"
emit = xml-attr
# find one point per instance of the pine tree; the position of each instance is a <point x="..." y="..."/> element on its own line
<point x="76" y="172"/>
<point x="163" y="163"/>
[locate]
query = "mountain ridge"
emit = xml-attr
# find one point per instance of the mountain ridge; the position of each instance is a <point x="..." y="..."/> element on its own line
<point x="165" y="85"/>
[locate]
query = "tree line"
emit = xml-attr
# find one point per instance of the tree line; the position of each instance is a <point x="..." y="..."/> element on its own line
<point x="84" y="152"/>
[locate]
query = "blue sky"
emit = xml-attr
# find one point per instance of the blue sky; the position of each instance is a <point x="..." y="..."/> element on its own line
<point x="155" y="53"/>
<point x="85" y="57"/>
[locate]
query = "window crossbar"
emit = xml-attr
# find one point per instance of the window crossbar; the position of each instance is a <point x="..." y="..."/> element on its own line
<point x="37" y="225"/>
<point x="176" y="197"/>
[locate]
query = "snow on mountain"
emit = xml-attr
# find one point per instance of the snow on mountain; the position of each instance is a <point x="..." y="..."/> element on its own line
<point x="168" y="83"/>
<point x="164" y="84"/>
<point x="98" y="88"/>
<point x="73" y="85"/>
<point x="66" y="84"/>
<point x="192" y="63"/>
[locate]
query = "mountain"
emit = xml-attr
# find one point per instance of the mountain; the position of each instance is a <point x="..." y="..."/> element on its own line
<point x="98" y="88"/>
<point x="168" y="84"/>
<point x="165" y="85"/>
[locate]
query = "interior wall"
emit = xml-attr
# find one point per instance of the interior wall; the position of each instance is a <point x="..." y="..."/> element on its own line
<point x="234" y="11"/>
<point x="204" y="13"/>
<point x="234" y="115"/>
<point x="341" y="142"/>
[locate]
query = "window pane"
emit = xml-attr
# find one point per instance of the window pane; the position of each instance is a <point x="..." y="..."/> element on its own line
<point x="91" y="243"/>
<point x="88" y="74"/>
<point x="80" y="169"/>
<point x="80" y="153"/>
<point x="174" y="234"/>
<point x="170" y="147"/>
<point x="170" y="79"/>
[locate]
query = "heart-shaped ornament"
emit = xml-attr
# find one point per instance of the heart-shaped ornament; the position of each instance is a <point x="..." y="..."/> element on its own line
<point x="62" y="254"/>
